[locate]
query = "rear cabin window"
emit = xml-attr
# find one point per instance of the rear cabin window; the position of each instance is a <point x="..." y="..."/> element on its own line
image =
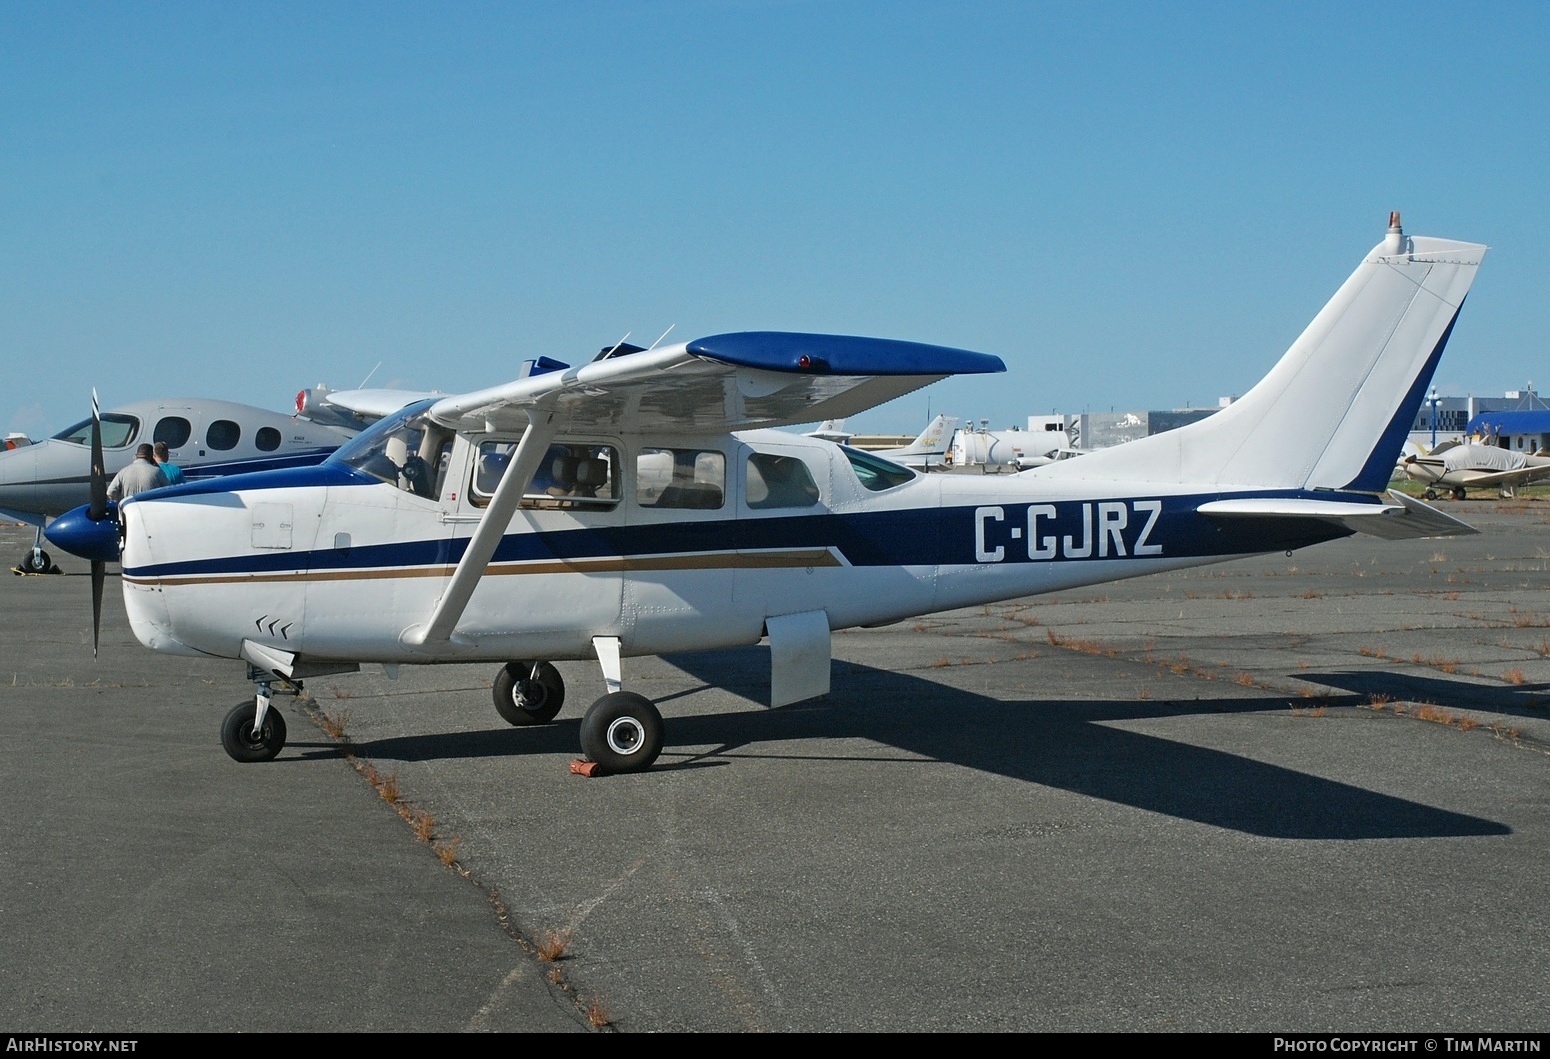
<point x="223" y="434"/>
<point x="571" y="474"/>
<point x="684" y="479"/>
<point x="779" y="481"/>
<point x="875" y="472"/>
<point x="267" y="439"/>
<point x="174" y="430"/>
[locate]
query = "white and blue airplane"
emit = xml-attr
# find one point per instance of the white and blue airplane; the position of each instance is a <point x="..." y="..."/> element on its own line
<point x="639" y="504"/>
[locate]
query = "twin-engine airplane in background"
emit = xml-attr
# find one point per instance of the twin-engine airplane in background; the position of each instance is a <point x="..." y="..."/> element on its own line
<point x="1454" y="468"/>
<point x="639" y="504"/>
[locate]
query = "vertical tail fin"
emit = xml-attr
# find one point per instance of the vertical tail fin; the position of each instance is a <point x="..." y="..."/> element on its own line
<point x="1334" y="411"/>
<point x="933" y="441"/>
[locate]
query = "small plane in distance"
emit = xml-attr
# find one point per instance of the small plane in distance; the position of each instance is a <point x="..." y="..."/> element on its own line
<point x="1457" y="467"/>
<point x="929" y="449"/>
<point x="638" y="504"/>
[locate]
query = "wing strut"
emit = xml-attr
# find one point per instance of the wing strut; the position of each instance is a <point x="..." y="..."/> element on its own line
<point x="481" y="546"/>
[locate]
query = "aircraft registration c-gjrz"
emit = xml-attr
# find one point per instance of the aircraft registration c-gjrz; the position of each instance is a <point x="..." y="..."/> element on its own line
<point x="640" y="504"/>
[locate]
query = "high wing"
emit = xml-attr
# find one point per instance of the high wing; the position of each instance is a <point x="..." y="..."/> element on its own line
<point x="355" y="408"/>
<point x="711" y="385"/>
<point x="717" y="384"/>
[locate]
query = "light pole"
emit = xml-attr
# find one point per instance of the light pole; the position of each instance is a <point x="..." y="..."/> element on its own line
<point x="1434" y="401"/>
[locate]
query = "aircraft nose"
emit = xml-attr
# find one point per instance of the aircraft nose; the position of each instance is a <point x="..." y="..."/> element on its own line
<point x="78" y="534"/>
<point x="18" y="472"/>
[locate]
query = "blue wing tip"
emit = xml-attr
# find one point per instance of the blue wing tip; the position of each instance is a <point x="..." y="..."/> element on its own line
<point x="841" y="354"/>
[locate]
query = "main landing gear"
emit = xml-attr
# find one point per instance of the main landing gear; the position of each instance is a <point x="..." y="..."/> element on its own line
<point x="255" y="731"/>
<point x="622" y="731"/>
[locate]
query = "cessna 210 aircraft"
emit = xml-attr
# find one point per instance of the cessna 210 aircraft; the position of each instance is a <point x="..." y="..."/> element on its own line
<point x="638" y="504"/>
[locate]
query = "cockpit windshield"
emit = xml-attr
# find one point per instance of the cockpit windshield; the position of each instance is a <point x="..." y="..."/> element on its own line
<point x="118" y="430"/>
<point x="405" y="450"/>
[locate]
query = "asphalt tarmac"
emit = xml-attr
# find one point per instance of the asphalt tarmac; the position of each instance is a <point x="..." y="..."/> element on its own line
<point x="1306" y="793"/>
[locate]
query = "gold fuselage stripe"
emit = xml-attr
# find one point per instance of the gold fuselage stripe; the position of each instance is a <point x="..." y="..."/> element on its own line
<point x="770" y="560"/>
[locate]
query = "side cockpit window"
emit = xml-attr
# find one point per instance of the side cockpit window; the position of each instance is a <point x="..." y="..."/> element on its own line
<point x="571" y="474"/>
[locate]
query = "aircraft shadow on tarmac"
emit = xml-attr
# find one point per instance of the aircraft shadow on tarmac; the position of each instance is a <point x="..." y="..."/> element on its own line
<point x="1061" y="744"/>
<point x="1524" y="700"/>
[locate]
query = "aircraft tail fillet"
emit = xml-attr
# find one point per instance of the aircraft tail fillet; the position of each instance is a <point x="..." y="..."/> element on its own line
<point x="1334" y="411"/>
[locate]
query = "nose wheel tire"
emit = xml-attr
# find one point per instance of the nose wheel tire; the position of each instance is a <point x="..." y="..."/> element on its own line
<point x="622" y="732"/>
<point x="244" y="743"/>
<point x="36" y="562"/>
<point x="521" y="698"/>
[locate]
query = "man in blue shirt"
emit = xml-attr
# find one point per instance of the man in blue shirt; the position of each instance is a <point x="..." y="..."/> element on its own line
<point x="173" y="472"/>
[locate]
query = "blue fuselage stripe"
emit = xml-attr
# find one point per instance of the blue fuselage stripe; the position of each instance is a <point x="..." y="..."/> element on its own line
<point x="1026" y="531"/>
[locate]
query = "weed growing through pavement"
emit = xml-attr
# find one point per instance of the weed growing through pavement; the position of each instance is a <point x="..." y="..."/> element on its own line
<point x="446" y="849"/>
<point x="422" y="823"/>
<point x="597" y="1014"/>
<point x="552" y="945"/>
<point x="1513" y="675"/>
<point x="333" y="724"/>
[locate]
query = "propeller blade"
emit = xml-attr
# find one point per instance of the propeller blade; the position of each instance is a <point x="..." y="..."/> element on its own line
<point x="99" y="475"/>
<point x="99" y="571"/>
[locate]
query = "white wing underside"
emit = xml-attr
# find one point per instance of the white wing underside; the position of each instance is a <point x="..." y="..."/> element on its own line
<point x="672" y="390"/>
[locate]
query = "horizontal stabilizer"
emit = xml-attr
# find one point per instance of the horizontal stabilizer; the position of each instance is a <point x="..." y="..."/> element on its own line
<point x="1404" y="519"/>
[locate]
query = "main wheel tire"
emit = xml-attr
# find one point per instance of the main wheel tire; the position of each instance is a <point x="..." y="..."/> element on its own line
<point x="36" y="562"/>
<point x="622" y="732"/>
<point x="521" y="699"/>
<point x="1458" y="492"/>
<point x="243" y="743"/>
<point x="1431" y="494"/>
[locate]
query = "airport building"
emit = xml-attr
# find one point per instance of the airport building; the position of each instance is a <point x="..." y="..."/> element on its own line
<point x="1519" y="419"/>
<point x="1101" y="430"/>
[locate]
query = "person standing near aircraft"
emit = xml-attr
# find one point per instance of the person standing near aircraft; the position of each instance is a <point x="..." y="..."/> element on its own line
<point x="173" y="472"/>
<point x="142" y="474"/>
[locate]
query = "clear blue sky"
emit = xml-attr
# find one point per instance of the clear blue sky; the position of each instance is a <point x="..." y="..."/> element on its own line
<point x="1136" y="205"/>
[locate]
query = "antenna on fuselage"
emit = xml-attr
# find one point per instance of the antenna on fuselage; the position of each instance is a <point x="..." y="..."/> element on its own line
<point x="369" y="374"/>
